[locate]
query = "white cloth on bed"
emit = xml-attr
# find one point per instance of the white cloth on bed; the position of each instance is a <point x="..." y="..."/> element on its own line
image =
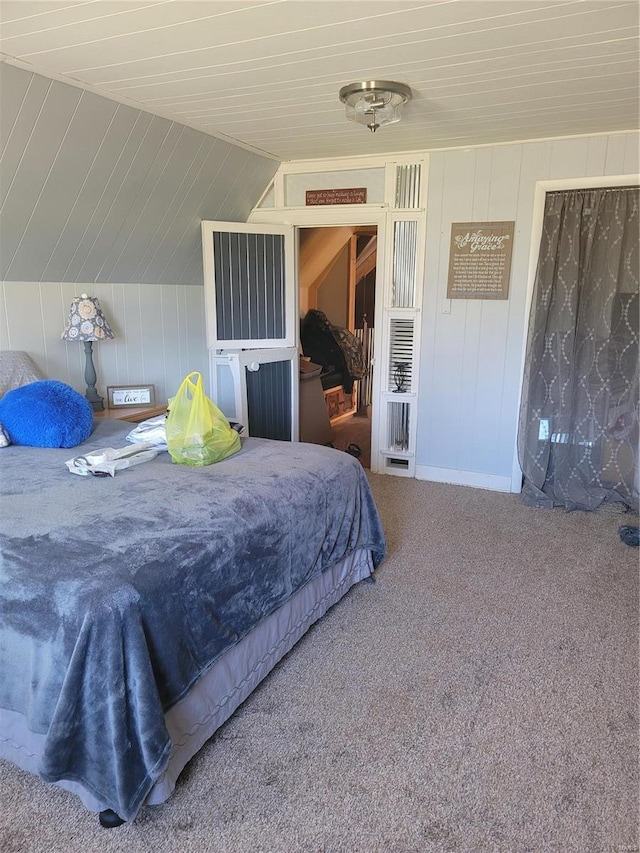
<point x="152" y="431"/>
<point x="107" y="461"/>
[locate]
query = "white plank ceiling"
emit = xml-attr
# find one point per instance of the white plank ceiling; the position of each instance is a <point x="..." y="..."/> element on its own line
<point x="266" y="73"/>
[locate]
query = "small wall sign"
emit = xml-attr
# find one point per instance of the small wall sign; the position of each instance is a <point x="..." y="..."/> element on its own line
<point x="357" y="195"/>
<point x="131" y="395"/>
<point x="480" y="260"/>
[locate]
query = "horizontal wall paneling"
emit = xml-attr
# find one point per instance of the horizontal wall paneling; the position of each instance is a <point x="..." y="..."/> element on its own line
<point x="159" y="332"/>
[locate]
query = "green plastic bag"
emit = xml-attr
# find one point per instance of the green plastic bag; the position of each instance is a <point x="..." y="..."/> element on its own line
<point x="197" y="431"/>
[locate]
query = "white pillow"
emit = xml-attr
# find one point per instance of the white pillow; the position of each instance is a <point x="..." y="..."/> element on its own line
<point x="16" y="369"/>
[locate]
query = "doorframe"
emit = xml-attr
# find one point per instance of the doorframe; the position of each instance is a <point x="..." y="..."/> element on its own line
<point x="537" y="219"/>
<point x="319" y="217"/>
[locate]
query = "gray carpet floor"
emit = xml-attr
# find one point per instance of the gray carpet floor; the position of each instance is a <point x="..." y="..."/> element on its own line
<point x="355" y="430"/>
<point x="481" y="697"/>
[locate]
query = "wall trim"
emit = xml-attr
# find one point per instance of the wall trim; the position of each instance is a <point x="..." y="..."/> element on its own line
<point x="51" y="74"/>
<point x="409" y="155"/>
<point x="454" y="476"/>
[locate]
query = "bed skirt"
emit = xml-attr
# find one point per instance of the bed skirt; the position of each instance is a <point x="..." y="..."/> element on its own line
<point x="220" y="690"/>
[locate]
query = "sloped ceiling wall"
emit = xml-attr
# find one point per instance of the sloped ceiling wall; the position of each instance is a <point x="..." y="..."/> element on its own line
<point x="319" y="248"/>
<point x="95" y="191"/>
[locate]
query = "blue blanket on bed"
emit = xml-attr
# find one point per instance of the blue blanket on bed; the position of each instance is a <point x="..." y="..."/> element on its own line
<point x="117" y="593"/>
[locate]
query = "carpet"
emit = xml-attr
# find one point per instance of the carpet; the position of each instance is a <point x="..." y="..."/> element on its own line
<point x="480" y="697"/>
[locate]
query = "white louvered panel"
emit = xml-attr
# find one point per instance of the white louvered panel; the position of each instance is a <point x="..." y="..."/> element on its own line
<point x="404" y="264"/>
<point x="398" y="426"/>
<point x="408" y="186"/>
<point x="400" y="350"/>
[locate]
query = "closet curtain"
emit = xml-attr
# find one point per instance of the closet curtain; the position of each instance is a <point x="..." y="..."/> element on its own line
<point x="578" y="432"/>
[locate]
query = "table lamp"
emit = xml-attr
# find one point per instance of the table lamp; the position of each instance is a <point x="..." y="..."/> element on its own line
<point x="87" y="323"/>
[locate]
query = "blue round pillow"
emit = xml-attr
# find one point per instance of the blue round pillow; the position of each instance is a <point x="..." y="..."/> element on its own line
<point x="46" y="414"/>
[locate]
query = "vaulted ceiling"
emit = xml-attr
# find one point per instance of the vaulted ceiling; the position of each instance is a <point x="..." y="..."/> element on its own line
<point x="266" y="73"/>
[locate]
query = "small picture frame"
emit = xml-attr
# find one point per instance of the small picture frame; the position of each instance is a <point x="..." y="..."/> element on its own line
<point x="131" y="395"/>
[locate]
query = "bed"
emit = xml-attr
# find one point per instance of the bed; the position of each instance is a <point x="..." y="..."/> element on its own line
<point x="138" y="612"/>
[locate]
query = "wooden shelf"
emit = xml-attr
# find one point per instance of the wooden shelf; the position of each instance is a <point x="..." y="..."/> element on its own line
<point x="135" y="414"/>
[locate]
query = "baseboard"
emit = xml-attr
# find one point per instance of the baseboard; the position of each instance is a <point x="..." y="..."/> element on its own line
<point x="494" y="482"/>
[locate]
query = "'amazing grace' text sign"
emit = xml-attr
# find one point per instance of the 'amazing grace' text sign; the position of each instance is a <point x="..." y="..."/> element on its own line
<point x="480" y="260"/>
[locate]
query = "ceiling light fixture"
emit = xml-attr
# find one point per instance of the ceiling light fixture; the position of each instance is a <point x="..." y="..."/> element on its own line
<point x="375" y="103"/>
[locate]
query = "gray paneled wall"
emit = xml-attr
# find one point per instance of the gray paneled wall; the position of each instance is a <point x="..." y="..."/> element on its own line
<point x="159" y="332"/>
<point x="269" y="400"/>
<point x="96" y="191"/>
<point x="250" y="298"/>
<point x="472" y="348"/>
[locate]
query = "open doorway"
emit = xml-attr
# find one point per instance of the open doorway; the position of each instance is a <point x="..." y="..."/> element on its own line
<point x="337" y="275"/>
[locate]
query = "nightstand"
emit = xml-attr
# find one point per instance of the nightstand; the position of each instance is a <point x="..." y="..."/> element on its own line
<point x="135" y="414"/>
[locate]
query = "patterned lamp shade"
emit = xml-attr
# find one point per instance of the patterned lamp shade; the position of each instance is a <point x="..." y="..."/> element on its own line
<point x="86" y="322"/>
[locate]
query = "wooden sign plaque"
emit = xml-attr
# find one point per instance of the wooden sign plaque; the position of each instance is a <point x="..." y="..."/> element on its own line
<point x="349" y="195"/>
<point x="480" y="260"/>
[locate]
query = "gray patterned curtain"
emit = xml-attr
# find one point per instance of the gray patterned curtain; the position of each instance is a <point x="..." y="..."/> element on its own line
<point x="578" y="435"/>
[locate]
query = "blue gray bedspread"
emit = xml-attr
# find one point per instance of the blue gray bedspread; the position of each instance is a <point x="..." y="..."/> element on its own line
<point x="117" y="593"/>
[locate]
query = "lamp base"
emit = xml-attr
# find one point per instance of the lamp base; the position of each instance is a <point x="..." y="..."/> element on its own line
<point x="97" y="403"/>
